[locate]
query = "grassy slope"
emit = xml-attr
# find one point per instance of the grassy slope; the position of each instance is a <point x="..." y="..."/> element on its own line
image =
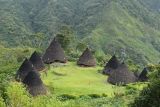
<point x="76" y="80"/>
<point x="118" y="30"/>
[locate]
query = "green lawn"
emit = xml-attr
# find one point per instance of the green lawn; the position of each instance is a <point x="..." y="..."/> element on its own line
<point x="73" y="86"/>
<point x="75" y="80"/>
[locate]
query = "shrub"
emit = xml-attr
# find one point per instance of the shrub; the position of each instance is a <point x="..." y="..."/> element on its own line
<point x="150" y="96"/>
<point x="84" y="97"/>
<point x="118" y="94"/>
<point x="94" y="95"/>
<point x="104" y="95"/>
<point x="73" y="55"/>
<point x="2" y="104"/>
<point x="101" y="57"/>
<point x="65" y="97"/>
<point x="17" y="95"/>
<point x="131" y="91"/>
<point x="20" y="58"/>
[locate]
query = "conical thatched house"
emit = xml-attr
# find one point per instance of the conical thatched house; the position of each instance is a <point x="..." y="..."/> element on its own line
<point x="37" y="61"/>
<point x="137" y="74"/>
<point x="24" y="69"/>
<point x="87" y="59"/>
<point x="112" y="64"/>
<point x="34" y="84"/>
<point x="54" y="53"/>
<point x="121" y="76"/>
<point x="143" y="76"/>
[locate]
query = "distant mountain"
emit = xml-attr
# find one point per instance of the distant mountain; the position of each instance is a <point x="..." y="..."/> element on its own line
<point x="107" y="25"/>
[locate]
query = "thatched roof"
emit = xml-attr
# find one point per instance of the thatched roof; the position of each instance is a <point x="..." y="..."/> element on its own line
<point x="37" y="61"/>
<point x="137" y="74"/>
<point x="87" y="59"/>
<point x="143" y="76"/>
<point x="122" y="76"/>
<point x="34" y="84"/>
<point x="112" y="64"/>
<point x="54" y="53"/>
<point x="24" y="69"/>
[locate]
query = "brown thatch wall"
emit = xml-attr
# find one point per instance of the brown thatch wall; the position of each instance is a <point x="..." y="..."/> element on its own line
<point x="112" y="64"/>
<point x="37" y="90"/>
<point x="37" y="61"/>
<point x="87" y="59"/>
<point x="54" y="53"/>
<point x="34" y="84"/>
<point x="24" y="69"/>
<point x="122" y="76"/>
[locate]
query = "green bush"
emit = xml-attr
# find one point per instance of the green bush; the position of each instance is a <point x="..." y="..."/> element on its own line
<point x="132" y="66"/>
<point x="94" y="95"/>
<point x="73" y="55"/>
<point x="17" y="95"/>
<point x="2" y="104"/>
<point x="65" y="97"/>
<point x="84" y="97"/>
<point x="150" y="96"/>
<point x="101" y="57"/>
<point x="131" y="91"/>
<point x="104" y="95"/>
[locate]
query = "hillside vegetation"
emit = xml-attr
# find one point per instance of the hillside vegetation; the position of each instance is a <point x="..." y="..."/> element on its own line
<point x="105" y="25"/>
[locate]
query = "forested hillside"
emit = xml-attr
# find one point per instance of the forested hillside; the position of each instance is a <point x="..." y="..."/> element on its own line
<point x="105" y="25"/>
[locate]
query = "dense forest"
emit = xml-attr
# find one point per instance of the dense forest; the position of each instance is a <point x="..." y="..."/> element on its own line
<point x="129" y="29"/>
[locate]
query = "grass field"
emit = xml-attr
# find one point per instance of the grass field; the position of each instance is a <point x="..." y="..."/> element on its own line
<point x="75" y="80"/>
<point x="72" y="86"/>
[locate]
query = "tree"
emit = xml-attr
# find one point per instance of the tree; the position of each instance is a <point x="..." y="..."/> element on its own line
<point x="150" y="96"/>
<point x="66" y="37"/>
<point x="37" y="40"/>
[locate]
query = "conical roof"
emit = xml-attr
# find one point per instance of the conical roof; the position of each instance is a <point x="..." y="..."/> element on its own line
<point x="122" y="76"/>
<point x="37" y="61"/>
<point x="137" y="74"/>
<point x="54" y="53"/>
<point x="112" y="64"/>
<point x="143" y="76"/>
<point x="24" y="69"/>
<point x="87" y="59"/>
<point x="34" y="84"/>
